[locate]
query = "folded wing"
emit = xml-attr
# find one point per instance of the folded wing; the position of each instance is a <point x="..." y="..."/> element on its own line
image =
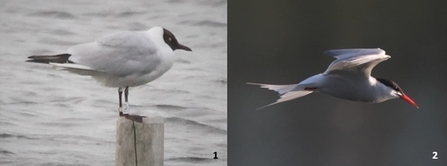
<point x="124" y="52"/>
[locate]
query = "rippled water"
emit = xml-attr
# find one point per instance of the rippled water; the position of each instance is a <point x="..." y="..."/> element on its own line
<point x="51" y="117"/>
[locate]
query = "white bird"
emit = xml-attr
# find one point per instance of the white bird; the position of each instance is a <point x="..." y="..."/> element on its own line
<point x="348" y="77"/>
<point x="122" y="60"/>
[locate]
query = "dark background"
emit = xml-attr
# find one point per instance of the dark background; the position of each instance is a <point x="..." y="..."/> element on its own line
<point x="281" y="42"/>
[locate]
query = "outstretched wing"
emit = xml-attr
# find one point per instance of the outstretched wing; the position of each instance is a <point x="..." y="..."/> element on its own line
<point x="360" y="61"/>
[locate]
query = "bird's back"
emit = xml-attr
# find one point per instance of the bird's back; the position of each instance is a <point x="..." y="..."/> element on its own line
<point x="350" y="86"/>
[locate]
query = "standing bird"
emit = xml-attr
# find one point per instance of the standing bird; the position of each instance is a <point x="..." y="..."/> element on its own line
<point x="122" y="60"/>
<point x="348" y="77"/>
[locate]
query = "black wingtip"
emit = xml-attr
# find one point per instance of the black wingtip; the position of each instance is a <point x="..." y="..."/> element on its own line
<point x="60" y="58"/>
<point x="38" y="61"/>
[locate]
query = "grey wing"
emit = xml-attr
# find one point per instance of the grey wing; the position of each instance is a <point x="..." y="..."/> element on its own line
<point x="360" y="61"/>
<point x="121" y="54"/>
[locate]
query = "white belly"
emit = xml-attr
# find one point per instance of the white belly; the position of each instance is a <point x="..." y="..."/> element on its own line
<point x="135" y="79"/>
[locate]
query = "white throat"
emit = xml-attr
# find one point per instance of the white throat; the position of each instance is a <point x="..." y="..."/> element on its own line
<point x="156" y="34"/>
<point x="382" y="91"/>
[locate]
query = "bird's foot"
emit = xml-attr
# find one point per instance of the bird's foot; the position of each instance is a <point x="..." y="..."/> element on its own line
<point x="120" y="111"/>
<point x="124" y="112"/>
<point x="136" y="118"/>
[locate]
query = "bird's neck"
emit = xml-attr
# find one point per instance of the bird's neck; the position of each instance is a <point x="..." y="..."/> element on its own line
<point x="384" y="92"/>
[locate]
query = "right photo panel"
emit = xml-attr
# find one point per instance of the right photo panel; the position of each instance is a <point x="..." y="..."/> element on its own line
<point x="337" y="83"/>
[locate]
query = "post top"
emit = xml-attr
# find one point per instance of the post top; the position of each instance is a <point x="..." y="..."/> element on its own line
<point x="145" y="119"/>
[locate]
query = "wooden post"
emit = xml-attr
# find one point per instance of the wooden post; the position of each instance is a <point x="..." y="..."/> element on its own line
<point x="139" y="143"/>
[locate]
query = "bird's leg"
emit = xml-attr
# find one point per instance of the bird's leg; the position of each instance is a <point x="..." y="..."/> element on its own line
<point x="126" y="101"/>
<point x="120" y="109"/>
<point x="136" y="118"/>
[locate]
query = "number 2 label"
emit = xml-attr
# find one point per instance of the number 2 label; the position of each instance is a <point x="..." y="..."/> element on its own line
<point x="435" y="155"/>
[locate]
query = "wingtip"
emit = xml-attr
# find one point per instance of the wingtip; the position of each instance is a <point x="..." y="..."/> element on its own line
<point x="36" y="61"/>
<point x="267" y="105"/>
<point x="264" y="106"/>
<point x="252" y="83"/>
<point x="30" y="58"/>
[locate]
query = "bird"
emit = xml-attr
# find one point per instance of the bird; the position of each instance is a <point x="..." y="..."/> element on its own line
<point x="120" y="60"/>
<point x="347" y="77"/>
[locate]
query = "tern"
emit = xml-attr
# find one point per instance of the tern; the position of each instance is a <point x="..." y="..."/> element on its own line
<point x="348" y="77"/>
<point x="121" y="60"/>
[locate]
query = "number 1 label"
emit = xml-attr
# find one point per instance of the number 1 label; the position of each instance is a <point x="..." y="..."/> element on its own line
<point x="215" y="155"/>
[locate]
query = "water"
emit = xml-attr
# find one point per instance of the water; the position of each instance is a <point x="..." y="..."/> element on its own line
<point x="51" y="117"/>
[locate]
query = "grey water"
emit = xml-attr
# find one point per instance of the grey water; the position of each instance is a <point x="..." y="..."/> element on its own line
<point x="52" y="117"/>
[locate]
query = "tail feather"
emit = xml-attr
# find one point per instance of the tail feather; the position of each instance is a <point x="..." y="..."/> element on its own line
<point x="288" y="96"/>
<point x="281" y="89"/>
<point x="60" y="58"/>
<point x="287" y="92"/>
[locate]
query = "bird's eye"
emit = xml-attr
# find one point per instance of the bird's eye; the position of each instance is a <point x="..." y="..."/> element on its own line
<point x="170" y="39"/>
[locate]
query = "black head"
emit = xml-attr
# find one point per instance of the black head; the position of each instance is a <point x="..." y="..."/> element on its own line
<point x="399" y="91"/>
<point x="390" y="84"/>
<point x="170" y="39"/>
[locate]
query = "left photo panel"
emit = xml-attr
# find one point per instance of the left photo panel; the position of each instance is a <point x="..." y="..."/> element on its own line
<point x="113" y="83"/>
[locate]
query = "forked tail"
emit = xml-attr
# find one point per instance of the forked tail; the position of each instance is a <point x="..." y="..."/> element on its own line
<point x="287" y="92"/>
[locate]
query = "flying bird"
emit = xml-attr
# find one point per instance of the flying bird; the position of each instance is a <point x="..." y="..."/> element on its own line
<point x="121" y="60"/>
<point x="348" y="77"/>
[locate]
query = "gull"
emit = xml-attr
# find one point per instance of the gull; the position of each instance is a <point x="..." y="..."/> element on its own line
<point x="121" y="60"/>
<point x="348" y="77"/>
